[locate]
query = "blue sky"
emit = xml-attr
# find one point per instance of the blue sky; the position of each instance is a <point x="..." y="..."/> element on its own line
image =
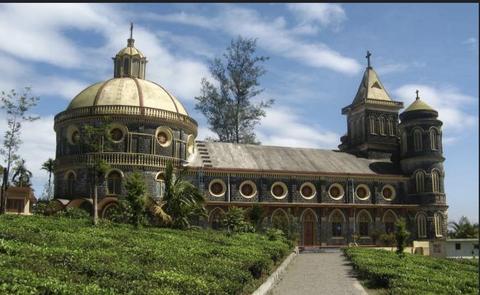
<point x="316" y="63"/>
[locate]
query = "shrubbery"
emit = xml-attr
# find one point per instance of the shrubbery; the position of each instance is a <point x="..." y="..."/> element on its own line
<point x="44" y="255"/>
<point x="414" y="274"/>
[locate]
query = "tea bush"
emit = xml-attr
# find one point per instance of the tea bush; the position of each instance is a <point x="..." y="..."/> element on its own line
<point x="58" y="255"/>
<point x="414" y="274"/>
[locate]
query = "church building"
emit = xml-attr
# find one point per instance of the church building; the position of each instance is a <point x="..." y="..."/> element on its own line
<point x="388" y="165"/>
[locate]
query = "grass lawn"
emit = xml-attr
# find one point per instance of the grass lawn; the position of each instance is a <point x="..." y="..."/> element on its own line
<point x="53" y="255"/>
<point x="414" y="274"/>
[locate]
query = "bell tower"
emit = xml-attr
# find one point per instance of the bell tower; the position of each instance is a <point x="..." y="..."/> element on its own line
<point x="129" y="62"/>
<point x="372" y="119"/>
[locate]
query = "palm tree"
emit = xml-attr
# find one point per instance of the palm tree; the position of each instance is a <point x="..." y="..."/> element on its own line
<point x="463" y="228"/>
<point x="182" y="201"/>
<point x="21" y="175"/>
<point x="49" y="166"/>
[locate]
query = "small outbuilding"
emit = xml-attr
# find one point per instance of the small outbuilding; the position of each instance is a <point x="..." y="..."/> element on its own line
<point x="20" y="200"/>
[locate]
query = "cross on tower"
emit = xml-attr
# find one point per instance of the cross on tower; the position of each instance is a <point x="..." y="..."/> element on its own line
<point x="368" y="57"/>
<point x="131" y="30"/>
<point x="418" y="97"/>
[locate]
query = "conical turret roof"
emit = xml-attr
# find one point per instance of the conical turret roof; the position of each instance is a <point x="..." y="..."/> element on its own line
<point x="370" y="88"/>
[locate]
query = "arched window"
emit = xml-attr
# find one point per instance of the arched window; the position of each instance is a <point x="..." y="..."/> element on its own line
<point x="114" y="183"/>
<point x="126" y="67"/>
<point x="381" y="125"/>
<point x="435" y="181"/>
<point x="337" y="220"/>
<point x="280" y="219"/>
<point x="160" y="184"/>
<point x="434" y="136"/>
<point x="421" y="225"/>
<point x="389" y="220"/>
<point x="420" y="181"/>
<point x="390" y="127"/>
<point x="363" y="221"/>
<point x="404" y="142"/>
<point x="216" y="217"/>
<point x="438" y="225"/>
<point x="70" y="183"/>
<point x="417" y="140"/>
<point x="372" y="124"/>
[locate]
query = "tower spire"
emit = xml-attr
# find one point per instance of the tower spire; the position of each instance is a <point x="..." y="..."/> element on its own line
<point x="130" y="41"/>
<point x="418" y="97"/>
<point x="368" y="58"/>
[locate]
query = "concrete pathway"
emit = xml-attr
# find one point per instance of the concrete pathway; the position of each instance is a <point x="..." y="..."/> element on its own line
<point x="318" y="273"/>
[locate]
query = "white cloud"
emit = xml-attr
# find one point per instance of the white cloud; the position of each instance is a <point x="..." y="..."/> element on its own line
<point x="385" y="67"/>
<point x="283" y="127"/>
<point x="451" y="105"/>
<point x="470" y="41"/>
<point x="324" y="14"/>
<point x="273" y="35"/>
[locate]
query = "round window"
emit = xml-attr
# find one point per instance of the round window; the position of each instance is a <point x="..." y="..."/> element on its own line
<point x="164" y="136"/>
<point x="160" y="177"/>
<point x="336" y="191"/>
<point x="279" y="190"/>
<point x="308" y="191"/>
<point x="116" y="134"/>
<point x="362" y="192"/>
<point x="248" y="189"/>
<point x="388" y="192"/>
<point x="217" y="188"/>
<point x="75" y="137"/>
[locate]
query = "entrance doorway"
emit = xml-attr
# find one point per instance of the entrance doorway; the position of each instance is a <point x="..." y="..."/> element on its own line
<point x="308" y="228"/>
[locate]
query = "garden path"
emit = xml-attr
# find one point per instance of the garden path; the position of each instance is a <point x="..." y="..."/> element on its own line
<point x="318" y="273"/>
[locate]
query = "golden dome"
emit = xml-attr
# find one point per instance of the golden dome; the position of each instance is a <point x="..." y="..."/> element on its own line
<point x="130" y="50"/>
<point x="127" y="91"/>
<point x="419" y="105"/>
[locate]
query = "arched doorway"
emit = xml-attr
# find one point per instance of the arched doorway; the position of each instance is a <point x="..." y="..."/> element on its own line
<point x="309" y="228"/>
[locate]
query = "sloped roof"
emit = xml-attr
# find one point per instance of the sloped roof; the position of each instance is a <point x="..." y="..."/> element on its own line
<point x="229" y="156"/>
<point x="370" y="88"/>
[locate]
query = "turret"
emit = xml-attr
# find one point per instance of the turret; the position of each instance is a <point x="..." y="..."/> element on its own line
<point x="372" y="120"/>
<point x="129" y="62"/>
<point x="421" y="153"/>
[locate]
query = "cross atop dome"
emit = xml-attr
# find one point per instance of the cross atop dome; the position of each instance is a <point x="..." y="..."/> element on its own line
<point x="368" y="58"/>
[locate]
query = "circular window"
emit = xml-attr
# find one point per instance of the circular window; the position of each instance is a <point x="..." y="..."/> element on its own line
<point x="308" y="191"/>
<point x="248" y="189"/>
<point x="335" y="191"/>
<point x="164" y="136"/>
<point x="388" y="192"/>
<point x="73" y="134"/>
<point x="116" y="134"/>
<point x="217" y="188"/>
<point x="279" y="190"/>
<point x="362" y="192"/>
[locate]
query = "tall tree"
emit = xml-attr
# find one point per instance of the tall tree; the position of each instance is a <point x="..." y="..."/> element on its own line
<point x="228" y="107"/>
<point x="21" y="175"/>
<point x="49" y="166"/>
<point x="92" y="142"/>
<point x="136" y="196"/>
<point x="16" y="106"/>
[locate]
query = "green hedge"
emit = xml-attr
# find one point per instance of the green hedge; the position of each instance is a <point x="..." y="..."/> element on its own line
<point x="414" y="274"/>
<point x="56" y="255"/>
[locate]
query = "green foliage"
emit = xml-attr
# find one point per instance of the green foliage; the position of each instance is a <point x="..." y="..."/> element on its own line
<point x="183" y="201"/>
<point x="45" y="255"/>
<point x="401" y="235"/>
<point x="228" y="107"/>
<point x="255" y="215"/>
<point x="275" y="234"/>
<point x="414" y="274"/>
<point x="234" y="221"/>
<point x="21" y="175"/>
<point x="463" y="229"/>
<point x="74" y="213"/>
<point x="387" y="239"/>
<point x="136" y="196"/>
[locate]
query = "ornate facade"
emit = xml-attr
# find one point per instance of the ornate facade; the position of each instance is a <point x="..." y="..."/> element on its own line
<point x="385" y="168"/>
